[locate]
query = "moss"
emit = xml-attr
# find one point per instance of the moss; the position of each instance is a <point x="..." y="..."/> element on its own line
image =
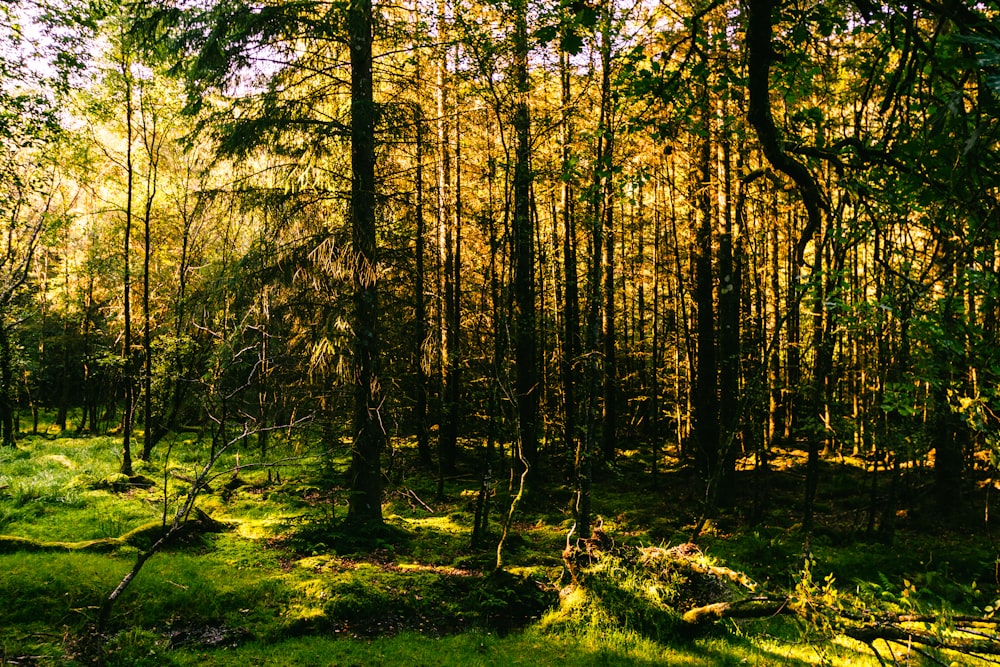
<point x="12" y="544"/>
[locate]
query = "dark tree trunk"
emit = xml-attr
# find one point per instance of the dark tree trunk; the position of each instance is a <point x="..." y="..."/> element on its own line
<point x="706" y="402"/>
<point x="150" y="427"/>
<point x="481" y="521"/>
<point x="448" y="294"/>
<point x="89" y="401"/>
<point x="606" y="165"/>
<point x="730" y="292"/>
<point x="365" y="502"/>
<point x="420" y="409"/>
<point x="64" y="385"/>
<point x="760" y="54"/>
<point x="609" y="433"/>
<point x="655" y="351"/>
<point x="127" y="366"/>
<point x="948" y="427"/>
<point x="7" y="431"/>
<point x="523" y="237"/>
<point x="571" y="314"/>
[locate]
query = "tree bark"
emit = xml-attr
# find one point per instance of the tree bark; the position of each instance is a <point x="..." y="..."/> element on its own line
<point x="760" y="54"/>
<point x="730" y="292"/>
<point x="572" y="343"/>
<point x="447" y="251"/>
<point x="365" y="502"/>
<point x="7" y="431"/>
<point x="128" y="378"/>
<point x="151" y="140"/>
<point x="523" y="238"/>
<point x="420" y="301"/>
<point x="605" y="160"/>
<point x="706" y="402"/>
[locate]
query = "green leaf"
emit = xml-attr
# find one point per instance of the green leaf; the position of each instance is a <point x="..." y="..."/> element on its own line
<point x="547" y="34"/>
<point x="572" y="42"/>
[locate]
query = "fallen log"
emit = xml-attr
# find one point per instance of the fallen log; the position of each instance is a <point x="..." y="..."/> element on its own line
<point x="658" y="584"/>
<point x="761" y="607"/>
<point x="972" y="636"/>
<point x="199" y="524"/>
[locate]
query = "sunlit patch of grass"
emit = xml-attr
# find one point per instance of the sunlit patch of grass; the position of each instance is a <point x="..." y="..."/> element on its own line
<point x="532" y="648"/>
<point x="60" y="459"/>
<point x="443" y="523"/>
<point x="258" y="529"/>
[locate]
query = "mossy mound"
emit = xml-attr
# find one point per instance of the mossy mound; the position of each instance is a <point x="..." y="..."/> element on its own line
<point x="645" y="590"/>
<point x="142" y="537"/>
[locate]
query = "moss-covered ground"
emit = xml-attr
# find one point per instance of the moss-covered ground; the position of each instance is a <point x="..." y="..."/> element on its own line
<point x="283" y="582"/>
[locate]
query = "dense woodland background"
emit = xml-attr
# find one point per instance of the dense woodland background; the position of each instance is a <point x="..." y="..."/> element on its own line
<point x="532" y="237"/>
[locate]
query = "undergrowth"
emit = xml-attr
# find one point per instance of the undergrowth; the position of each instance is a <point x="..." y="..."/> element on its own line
<point x="288" y="582"/>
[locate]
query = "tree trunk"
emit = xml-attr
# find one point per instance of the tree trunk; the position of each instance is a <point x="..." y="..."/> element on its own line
<point x="7" y="432"/>
<point x="127" y="367"/>
<point x="151" y="140"/>
<point x="420" y="409"/>
<point x="448" y="325"/>
<point x="730" y="292"/>
<point x="481" y="521"/>
<point x="706" y="401"/>
<point x="605" y="161"/>
<point x="523" y="237"/>
<point x="571" y="312"/>
<point x="760" y="54"/>
<point x="365" y="502"/>
<point x="655" y="352"/>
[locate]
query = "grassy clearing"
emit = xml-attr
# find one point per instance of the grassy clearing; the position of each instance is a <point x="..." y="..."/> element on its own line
<point x="283" y="585"/>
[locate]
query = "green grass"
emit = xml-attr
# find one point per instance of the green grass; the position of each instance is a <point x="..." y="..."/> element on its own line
<point x="478" y="649"/>
<point x="286" y="585"/>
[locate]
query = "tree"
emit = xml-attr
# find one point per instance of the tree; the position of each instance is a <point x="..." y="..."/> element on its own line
<point x="526" y="386"/>
<point x="28" y="184"/>
<point x="369" y="435"/>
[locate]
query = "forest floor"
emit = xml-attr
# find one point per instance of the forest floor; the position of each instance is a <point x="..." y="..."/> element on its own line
<point x="273" y="578"/>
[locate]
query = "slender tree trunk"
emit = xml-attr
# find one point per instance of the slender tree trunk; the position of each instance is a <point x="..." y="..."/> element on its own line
<point x="7" y="431"/>
<point x="655" y="350"/>
<point x="448" y="327"/>
<point x="683" y="353"/>
<point x="760" y="54"/>
<point x="128" y="378"/>
<point x="266" y="400"/>
<point x="949" y="459"/>
<point x="151" y="140"/>
<point x="776" y="399"/>
<point x="421" y="357"/>
<point x="86" y="390"/>
<point x="706" y="403"/>
<point x="822" y="362"/>
<point x="730" y="292"/>
<point x="455" y="302"/>
<point x="365" y="502"/>
<point x="64" y="385"/>
<point x="571" y="314"/>
<point x="523" y="237"/>
<point x="606" y="164"/>
<point x="481" y="522"/>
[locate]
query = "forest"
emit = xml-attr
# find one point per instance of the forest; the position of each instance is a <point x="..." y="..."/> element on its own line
<point x="564" y="332"/>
